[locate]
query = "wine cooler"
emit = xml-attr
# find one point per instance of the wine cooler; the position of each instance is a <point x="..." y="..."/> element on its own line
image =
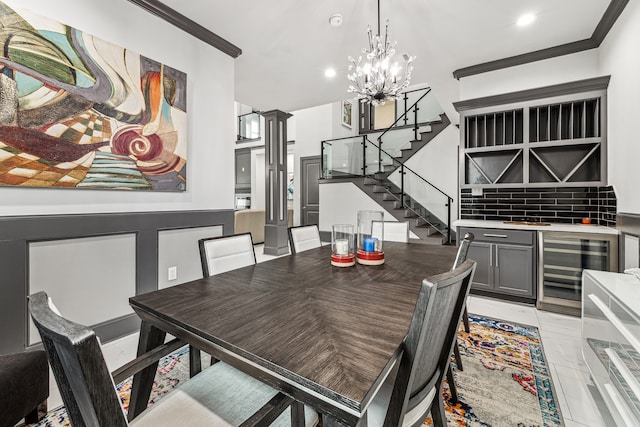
<point x="561" y="260"/>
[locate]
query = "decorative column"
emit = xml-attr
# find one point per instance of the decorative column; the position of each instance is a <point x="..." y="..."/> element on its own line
<point x="275" y="155"/>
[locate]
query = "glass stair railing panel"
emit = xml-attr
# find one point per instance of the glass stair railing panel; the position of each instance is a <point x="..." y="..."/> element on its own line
<point x="249" y="126"/>
<point x="418" y="106"/>
<point x="424" y="199"/>
<point x="375" y="159"/>
<point x="429" y="109"/>
<point x="394" y="142"/>
<point x="342" y="157"/>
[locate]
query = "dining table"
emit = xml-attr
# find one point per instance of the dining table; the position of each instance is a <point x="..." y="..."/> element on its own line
<point x="326" y="336"/>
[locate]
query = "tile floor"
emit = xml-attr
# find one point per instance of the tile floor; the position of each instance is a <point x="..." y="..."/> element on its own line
<point x="560" y="338"/>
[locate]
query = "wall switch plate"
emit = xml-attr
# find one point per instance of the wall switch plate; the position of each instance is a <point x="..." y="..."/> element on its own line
<point x="172" y="273"/>
<point x="476" y="191"/>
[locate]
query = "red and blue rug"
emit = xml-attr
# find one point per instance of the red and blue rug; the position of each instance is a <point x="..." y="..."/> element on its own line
<point x="505" y="381"/>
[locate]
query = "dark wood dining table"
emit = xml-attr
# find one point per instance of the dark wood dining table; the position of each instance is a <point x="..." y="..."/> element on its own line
<point x="324" y="335"/>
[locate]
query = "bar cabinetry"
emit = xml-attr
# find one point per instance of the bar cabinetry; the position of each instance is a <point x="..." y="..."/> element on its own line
<point x="611" y="341"/>
<point x="552" y="141"/>
<point x="505" y="261"/>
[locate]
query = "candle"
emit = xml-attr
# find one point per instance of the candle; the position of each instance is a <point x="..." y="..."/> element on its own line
<point x="342" y="246"/>
<point x="369" y="244"/>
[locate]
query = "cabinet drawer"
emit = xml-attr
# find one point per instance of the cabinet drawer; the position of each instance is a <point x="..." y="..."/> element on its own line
<point x="499" y="235"/>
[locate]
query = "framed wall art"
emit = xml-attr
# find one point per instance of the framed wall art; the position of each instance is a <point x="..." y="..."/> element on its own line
<point x="78" y="111"/>
<point x="347" y="108"/>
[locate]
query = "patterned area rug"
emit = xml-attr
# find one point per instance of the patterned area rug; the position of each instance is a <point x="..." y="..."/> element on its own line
<point x="505" y="381"/>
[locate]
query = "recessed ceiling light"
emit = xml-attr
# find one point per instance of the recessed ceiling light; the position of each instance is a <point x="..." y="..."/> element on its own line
<point x="330" y="72"/>
<point x="526" y="19"/>
<point x="335" y="20"/>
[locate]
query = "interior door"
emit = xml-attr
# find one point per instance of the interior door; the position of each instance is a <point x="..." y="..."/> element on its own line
<point x="309" y="190"/>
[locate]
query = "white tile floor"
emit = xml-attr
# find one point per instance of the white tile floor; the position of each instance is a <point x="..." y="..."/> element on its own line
<point x="560" y="339"/>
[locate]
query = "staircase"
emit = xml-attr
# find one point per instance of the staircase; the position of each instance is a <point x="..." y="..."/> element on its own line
<point x="377" y="172"/>
<point x="421" y="222"/>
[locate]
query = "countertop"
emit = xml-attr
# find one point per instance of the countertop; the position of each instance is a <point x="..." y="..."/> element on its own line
<point x="623" y="287"/>
<point x="575" y="228"/>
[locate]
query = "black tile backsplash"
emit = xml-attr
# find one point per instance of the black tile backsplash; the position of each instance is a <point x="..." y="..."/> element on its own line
<point x="554" y="204"/>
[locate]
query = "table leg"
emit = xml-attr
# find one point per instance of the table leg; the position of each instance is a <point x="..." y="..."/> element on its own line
<point x="150" y="337"/>
<point x="195" y="362"/>
<point x="329" y="421"/>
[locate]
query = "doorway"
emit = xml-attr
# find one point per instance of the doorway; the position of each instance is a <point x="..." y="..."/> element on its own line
<point x="309" y="190"/>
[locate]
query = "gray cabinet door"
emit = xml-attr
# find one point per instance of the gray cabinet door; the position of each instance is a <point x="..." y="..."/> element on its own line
<point x="513" y="270"/>
<point x="480" y="252"/>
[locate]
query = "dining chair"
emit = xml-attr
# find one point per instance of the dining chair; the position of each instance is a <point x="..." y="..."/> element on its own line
<point x="225" y="253"/>
<point x="218" y="255"/>
<point x="304" y="237"/>
<point x="415" y="388"/>
<point x="461" y="257"/>
<point x="394" y="231"/>
<point x="219" y="396"/>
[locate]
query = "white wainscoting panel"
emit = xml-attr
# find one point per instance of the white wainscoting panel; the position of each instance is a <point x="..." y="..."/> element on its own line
<point x="90" y="279"/>
<point x="179" y="249"/>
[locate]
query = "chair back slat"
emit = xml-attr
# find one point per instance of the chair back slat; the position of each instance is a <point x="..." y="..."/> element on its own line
<point x="304" y="237"/>
<point x="463" y="250"/>
<point x="428" y="345"/>
<point x="226" y="253"/>
<point x="78" y="366"/>
<point x="394" y="231"/>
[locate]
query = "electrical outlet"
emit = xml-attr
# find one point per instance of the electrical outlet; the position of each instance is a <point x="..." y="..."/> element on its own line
<point x="172" y="273"/>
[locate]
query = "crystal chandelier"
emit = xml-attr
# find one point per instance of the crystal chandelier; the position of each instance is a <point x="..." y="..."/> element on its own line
<point x="377" y="76"/>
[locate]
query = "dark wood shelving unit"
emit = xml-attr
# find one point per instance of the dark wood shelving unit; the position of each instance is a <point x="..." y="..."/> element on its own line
<point x="558" y="141"/>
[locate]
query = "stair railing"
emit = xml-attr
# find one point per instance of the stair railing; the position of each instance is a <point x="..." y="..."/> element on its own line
<point x="404" y="116"/>
<point x="352" y="165"/>
<point x="403" y="170"/>
<point x="357" y="156"/>
<point x="249" y="126"/>
<point x="422" y="111"/>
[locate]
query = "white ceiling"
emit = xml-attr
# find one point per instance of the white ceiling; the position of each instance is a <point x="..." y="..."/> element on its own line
<point x="287" y="44"/>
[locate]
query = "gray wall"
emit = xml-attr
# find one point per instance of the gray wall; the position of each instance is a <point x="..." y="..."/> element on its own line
<point x="81" y="246"/>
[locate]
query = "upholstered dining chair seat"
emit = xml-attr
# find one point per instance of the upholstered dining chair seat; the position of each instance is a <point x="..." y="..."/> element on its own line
<point x="219" y="396"/>
<point x="378" y="407"/>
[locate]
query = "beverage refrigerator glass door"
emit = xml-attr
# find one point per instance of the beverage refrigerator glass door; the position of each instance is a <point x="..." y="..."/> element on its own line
<point x="563" y="257"/>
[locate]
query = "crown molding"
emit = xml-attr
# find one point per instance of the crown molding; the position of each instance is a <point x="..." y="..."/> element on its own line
<point x="614" y="10"/>
<point x="176" y="19"/>
<point x="587" y="85"/>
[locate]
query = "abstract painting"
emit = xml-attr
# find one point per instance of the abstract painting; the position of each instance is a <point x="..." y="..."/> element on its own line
<point x="77" y="111"/>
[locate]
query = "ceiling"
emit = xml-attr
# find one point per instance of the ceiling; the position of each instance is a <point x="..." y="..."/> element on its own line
<point x="287" y="44"/>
